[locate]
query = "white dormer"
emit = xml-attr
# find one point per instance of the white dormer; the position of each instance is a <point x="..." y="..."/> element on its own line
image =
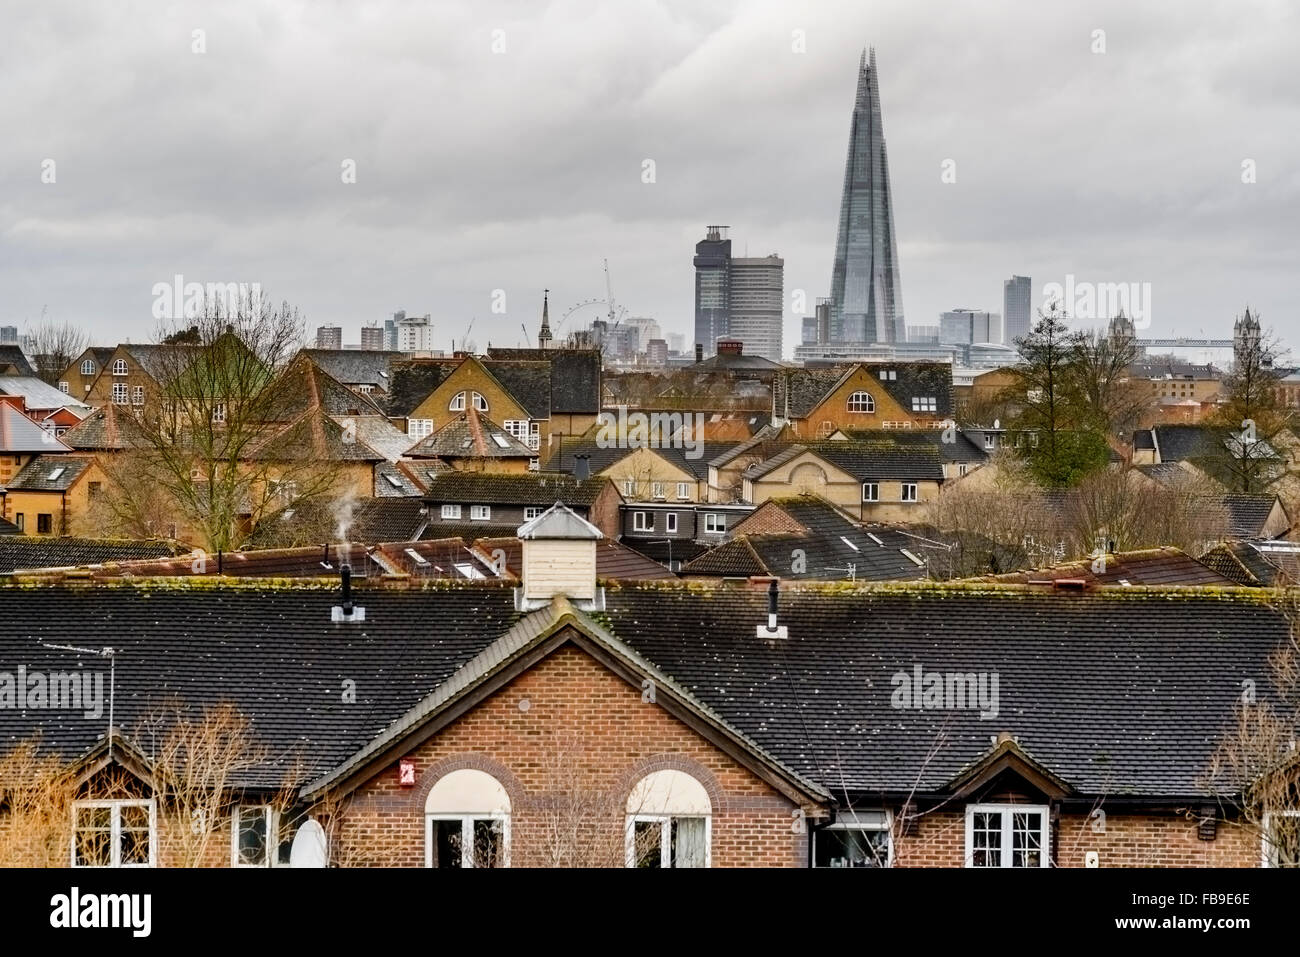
<point x="559" y="558"/>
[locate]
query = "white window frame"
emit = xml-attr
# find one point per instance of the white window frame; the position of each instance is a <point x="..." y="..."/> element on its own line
<point x="532" y="511"/>
<point x="657" y="490"/>
<point x="670" y="522"/>
<point x="137" y="395"/>
<point x="119" y="367"/>
<point x="451" y="511"/>
<point x="121" y="394"/>
<point x="715" y="523"/>
<point x="88" y="367"/>
<point x="1005" y="847"/>
<point x="871" y="491"/>
<point x="273" y="821"/>
<point x="989" y="440"/>
<point x="115" y="839"/>
<point x="861" y="402"/>
<point x="466" y="836"/>
<point x="629" y="486"/>
<point x="1267" y="856"/>
<point x="63" y="387"/>
<point x="902" y="492"/>
<point x="665" y="822"/>
<point x="419" y="428"/>
<point x="457" y="403"/>
<point x="643" y="522"/>
<point x="683" y="491"/>
<point x="480" y="513"/>
<point x="858" y="821"/>
<point x="534" y="465"/>
<point x="218" y="412"/>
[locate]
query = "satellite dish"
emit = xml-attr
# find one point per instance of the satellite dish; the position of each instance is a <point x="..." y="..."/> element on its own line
<point x="995" y="423"/>
<point x="309" y="846"/>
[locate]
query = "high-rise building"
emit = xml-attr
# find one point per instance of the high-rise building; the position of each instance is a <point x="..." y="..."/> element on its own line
<point x="8" y="335"/>
<point x="1017" y="308"/>
<point x="372" y="337"/>
<point x="866" y="294"/>
<point x="712" y="287"/>
<point x="390" y="331"/>
<point x="757" y="299"/>
<point x="414" y="333"/>
<point x="966" y="326"/>
<point x="329" y="337"/>
<point x="737" y="298"/>
<point x="676" y="343"/>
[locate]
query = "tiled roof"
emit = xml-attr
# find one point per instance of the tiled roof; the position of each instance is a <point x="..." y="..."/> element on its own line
<point x="50" y="473"/>
<point x="316" y="437"/>
<point x="19" y="551"/>
<point x="1248" y="514"/>
<point x="807" y="388"/>
<point x="1179" y="443"/>
<point x="357" y="366"/>
<point x="392" y="481"/>
<point x="413" y="382"/>
<point x="528" y="381"/>
<point x="615" y="561"/>
<point x="471" y="435"/>
<point x="11" y="355"/>
<point x="879" y="459"/>
<point x="20" y="434"/>
<point x="305" y="385"/>
<point x="960" y="449"/>
<point x="807" y="538"/>
<point x="1105" y="706"/>
<point x="1151" y="566"/>
<point x="103" y="430"/>
<point x="574" y="375"/>
<point x="694" y="461"/>
<point x="372" y="520"/>
<point x="535" y="488"/>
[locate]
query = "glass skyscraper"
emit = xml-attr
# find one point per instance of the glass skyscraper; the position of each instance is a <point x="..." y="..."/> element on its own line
<point x="866" y="295"/>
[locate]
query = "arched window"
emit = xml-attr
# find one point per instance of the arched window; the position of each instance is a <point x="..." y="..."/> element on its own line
<point x="458" y="402"/>
<point x="119" y="367"/>
<point x="862" y="402"/>
<point x="88" y="367"/>
<point x="669" y="822"/>
<point x="467" y="821"/>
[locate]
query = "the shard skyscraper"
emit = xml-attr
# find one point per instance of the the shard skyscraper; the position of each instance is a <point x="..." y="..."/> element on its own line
<point x="866" y="296"/>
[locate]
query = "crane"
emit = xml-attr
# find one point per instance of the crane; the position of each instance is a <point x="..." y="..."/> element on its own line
<point x="464" y="341"/>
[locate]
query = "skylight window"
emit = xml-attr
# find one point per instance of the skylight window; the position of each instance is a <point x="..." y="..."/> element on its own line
<point x="875" y="539"/>
<point x="468" y="570"/>
<point x="849" y="543"/>
<point x="417" y="557"/>
<point x="912" y="557"/>
<point x="501" y="441"/>
<point x="56" y="472"/>
<point x="393" y="480"/>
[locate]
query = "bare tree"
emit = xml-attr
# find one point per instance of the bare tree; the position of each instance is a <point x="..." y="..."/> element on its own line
<point x="54" y="346"/>
<point x="1100" y="367"/>
<point x="36" y="794"/>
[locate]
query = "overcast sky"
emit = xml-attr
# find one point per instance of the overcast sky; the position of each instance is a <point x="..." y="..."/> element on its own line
<point x="479" y="170"/>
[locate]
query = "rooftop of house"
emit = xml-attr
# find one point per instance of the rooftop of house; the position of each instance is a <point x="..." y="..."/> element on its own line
<point x="903" y="381"/>
<point x="615" y="561"/>
<point x="1256" y="564"/>
<point x="574" y="376"/>
<point x="13" y="357"/>
<point x="304" y="385"/>
<point x="533" y="488"/>
<point x="415" y="381"/>
<point x="878" y="459"/>
<point x="601" y="455"/>
<point x="1248" y="514"/>
<point x="38" y="394"/>
<point x="19" y="434"/>
<point x="1148" y="566"/>
<point x="50" y="473"/>
<point x="43" y="551"/>
<point x="471" y="435"/>
<point x="369" y="520"/>
<point x="356" y="367"/>
<point x="952" y="445"/>
<point x="1107" y="708"/>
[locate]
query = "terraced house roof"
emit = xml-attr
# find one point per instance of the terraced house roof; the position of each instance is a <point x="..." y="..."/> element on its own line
<point x="537" y="488"/>
<point x="1108" y="709"/>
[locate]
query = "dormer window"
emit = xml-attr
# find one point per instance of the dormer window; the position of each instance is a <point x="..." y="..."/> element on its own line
<point x="862" y="402"/>
<point x="924" y="403"/>
<point x="119" y="367"/>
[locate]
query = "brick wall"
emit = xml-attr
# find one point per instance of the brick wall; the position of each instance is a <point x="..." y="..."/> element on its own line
<point x="568" y="760"/>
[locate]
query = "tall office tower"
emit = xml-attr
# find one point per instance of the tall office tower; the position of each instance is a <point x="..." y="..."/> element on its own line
<point x="390" y="331"/>
<point x="712" y="287"/>
<point x="329" y="337"/>
<point x="372" y="337"/>
<point x="1017" y="309"/>
<point x="866" y="294"/>
<point x="414" y="333"/>
<point x="757" y="299"/>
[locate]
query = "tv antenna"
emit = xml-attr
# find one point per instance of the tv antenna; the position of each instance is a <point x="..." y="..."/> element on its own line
<point x="111" y="655"/>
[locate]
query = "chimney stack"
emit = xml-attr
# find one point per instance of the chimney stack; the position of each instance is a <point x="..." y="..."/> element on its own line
<point x="347" y="612"/>
<point x="773" y="630"/>
<point x="582" y="467"/>
<point x="699" y="352"/>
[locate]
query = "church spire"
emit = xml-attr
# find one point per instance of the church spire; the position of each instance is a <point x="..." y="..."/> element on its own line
<point x="544" y="335"/>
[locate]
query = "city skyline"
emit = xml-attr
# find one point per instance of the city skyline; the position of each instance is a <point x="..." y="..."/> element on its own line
<point x="543" y="196"/>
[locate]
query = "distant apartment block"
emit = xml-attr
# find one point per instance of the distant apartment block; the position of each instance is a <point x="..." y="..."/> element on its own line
<point x="967" y="326"/>
<point x="1017" y="296"/>
<point x="372" y="337"/>
<point x="8" y="335"/>
<point x="738" y="297"/>
<point x="329" y="337"/>
<point x="924" y="334"/>
<point x="414" y="333"/>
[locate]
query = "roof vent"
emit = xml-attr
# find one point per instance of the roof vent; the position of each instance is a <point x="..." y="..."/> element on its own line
<point x="773" y="630"/>
<point x="347" y="613"/>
